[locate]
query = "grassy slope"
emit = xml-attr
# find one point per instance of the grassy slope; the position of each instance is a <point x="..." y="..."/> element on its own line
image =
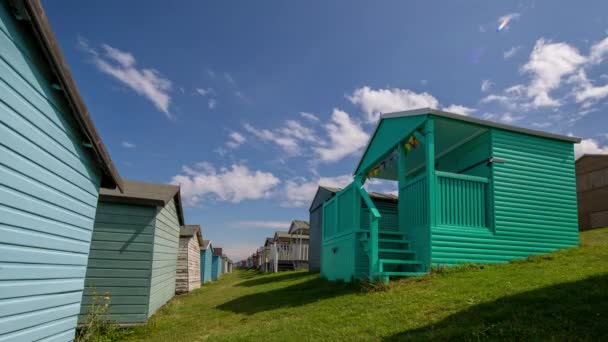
<point x="561" y="296"/>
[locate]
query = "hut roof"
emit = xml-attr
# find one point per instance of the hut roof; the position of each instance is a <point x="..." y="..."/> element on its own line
<point x="144" y="193"/>
<point x="299" y="225"/>
<point x="34" y="11"/>
<point x="191" y="230"/>
<point x="462" y="118"/>
<point x="217" y="252"/>
<point x="206" y="244"/>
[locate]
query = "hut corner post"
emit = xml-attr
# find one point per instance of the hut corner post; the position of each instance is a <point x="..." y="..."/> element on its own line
<point x="429" y="132"/>
<point x="374" y="220"/>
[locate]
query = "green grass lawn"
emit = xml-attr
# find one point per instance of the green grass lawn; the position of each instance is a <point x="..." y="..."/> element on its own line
<point x="559" y="296"/>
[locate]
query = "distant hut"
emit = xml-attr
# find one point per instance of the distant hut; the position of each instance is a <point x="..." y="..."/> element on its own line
<point x="216" y="267"/>
<point x="134" y="250"/>
<point x="189" y="259"/>
<point x="386" y="204"/>
<point x="224" y="264"/>
<point x="592" y="191"/>
<point x="206" y="261"/>
<point x="53" y="164"/>
<point x="299" y="247"/>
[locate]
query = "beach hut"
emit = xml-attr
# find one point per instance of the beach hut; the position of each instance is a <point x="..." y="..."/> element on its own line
<point x="470" y="191"/>
<point x="592" y="191"/>
<point x="206" y="261"/>
<point x="216" y="264"/>
<point x="53" y="164"/>
<point x="224" y="264"/>
<point x="385" y="203"/>
<point x="189" y="259"/>
<point x="299" y="249"/>
<point x="134" y="250"/>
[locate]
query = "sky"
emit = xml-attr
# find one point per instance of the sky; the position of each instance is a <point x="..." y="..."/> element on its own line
<point x="249" y="105"/>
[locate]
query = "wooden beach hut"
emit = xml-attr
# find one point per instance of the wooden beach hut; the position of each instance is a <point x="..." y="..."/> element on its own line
<point x="189" y="259"/>
<point x="470" y="191"/>
<point x="53" y="164"/>
<point x="134" y="250"/>
<point x="385" y="203"/>
<point x="206" y="261"/>
<point x="216" y="264"/>
<point x="592" y="191"/>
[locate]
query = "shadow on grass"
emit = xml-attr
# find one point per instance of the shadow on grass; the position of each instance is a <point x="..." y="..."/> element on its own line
<point x="271" y="278"/>
<point x="569" y="311"/>
<point x="292" y="296"/>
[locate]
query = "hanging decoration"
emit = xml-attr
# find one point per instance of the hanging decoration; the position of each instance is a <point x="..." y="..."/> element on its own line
<point x="411" y="143"/>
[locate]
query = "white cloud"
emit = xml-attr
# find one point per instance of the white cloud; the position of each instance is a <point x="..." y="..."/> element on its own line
<point x="205" y="91"/>
<point x="511" y="52"/>
<point x="122" y="66"/>
<point x="345" y="137"/>
<point x="127" y="144"/>
<point x="548" y="64"/>
<point x="510" y="118"/>
<point x="309" y="116"/>
<point x="212" y="103"/>
<point x="299" y="192"/>
<point x="598" y="51"/>
<point x="233" y="184"/>
<point x="229" y="78"/>
<point x="486" y="85"/>
<point x="376" y="101"/>
<point x="585" y="90"/>
<point x="458" y="109"/>
<point x="288" y="137"/>
<point x="541" y="125"/>
<point x="236" y="140"/>
<point x="589" y="146"/>
<point x="261" y="224"/>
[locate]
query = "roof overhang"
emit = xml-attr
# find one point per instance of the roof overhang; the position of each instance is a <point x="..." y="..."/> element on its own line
<point x="33" y="11"/>
<point x="463" y="118"/>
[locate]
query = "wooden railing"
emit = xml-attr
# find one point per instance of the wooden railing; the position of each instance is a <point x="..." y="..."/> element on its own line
<point x="462" y="200"/>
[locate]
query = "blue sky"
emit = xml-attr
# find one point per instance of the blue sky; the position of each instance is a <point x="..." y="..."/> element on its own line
<point x="249" y="105"/>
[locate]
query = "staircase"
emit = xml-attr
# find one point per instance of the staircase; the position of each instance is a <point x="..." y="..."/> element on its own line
<point x="395" y="258"/>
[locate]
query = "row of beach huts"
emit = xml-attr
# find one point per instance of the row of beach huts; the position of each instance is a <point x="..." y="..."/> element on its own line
<point x="70" y="226"/>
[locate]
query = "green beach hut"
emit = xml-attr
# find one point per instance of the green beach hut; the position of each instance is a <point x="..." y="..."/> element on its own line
<point x="134" y="250"/>
<point x="470" y="191"/>
<point x="53" y="163"/>
<point x="216" y="264"/>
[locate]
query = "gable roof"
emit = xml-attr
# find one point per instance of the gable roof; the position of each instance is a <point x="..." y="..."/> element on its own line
<point x="298" y="225"/>
<point x="268" y="241"/>
<point x="333" y="191"/>
<point x="190" y="230"/>
<point x="459" y="117"/>
<point x="217" y="252"/>
<point x="206" y="244"/>
<point x="591" y="162"/>
<point x="33" y="10"/>
<point x="144" y="193"/>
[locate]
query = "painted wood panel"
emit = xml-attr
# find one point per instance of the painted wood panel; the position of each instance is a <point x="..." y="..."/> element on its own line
<point x="120" y="260"/>
<point x="188" y="275"/>
<point x="534" y="200"/>
<point x="48" y="195"/>
<point x="206" y="264"/>
<point x="164" y="258"/>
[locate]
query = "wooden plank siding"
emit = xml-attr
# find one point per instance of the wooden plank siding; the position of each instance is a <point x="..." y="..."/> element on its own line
<point x="48" y="195"/>
<point x="206" y="264"/>
<point x="120" y="261"/>
<point x="188" y="265"/>
<point x="533" y="204"/>
<point x="164" y="259"/>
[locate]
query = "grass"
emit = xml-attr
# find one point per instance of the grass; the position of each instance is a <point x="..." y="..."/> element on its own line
<point x="558" y="296"/>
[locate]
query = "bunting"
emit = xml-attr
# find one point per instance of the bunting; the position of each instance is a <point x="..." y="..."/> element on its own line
<point x="411" y="143"/>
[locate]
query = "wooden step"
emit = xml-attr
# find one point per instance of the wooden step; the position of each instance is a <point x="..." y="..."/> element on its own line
<point x="392" y="250"/>
<point x="400" y="262"/>
<point x="403" y="274"/>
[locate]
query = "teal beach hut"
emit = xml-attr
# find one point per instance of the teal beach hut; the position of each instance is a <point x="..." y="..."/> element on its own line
<point x="53" y="163"/>
<point x="134" y="250"/>
<point x="470" y="191"/>
<point x="216" y="265"/>
<point x="206" y="261"/>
